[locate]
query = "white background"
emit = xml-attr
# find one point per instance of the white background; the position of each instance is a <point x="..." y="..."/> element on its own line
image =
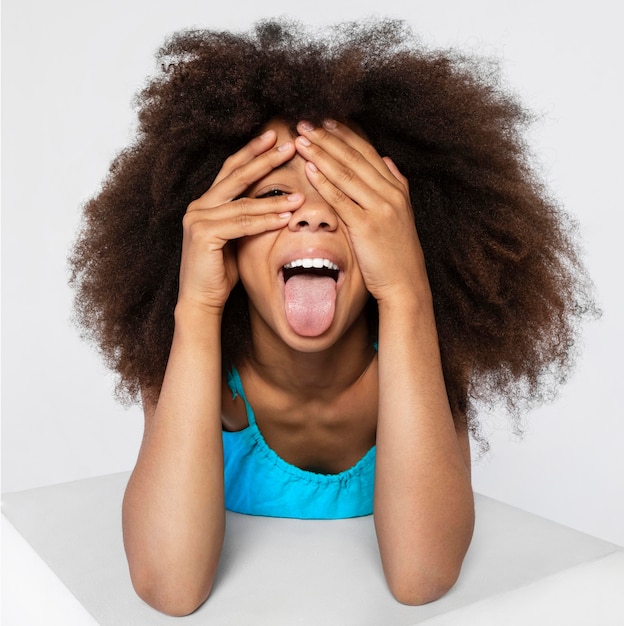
<point x="70" y="70"/>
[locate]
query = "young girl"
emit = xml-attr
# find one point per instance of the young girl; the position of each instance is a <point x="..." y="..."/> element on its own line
<point x="315" y="258"/>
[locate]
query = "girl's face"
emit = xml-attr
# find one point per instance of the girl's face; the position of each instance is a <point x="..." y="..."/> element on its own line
<point x="303" y="281"/>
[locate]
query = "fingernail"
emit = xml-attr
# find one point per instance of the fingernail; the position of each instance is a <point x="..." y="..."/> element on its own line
<point x="284" y="147"/>
<point x="285" y="215"/>
<point x="311" y="167"/>
<point x="294" y="197"/>
<point x="330" y="124"/>
<point x="266" y="134"/>
<point x="305" y="125"/>
<point x="304" y="141"/>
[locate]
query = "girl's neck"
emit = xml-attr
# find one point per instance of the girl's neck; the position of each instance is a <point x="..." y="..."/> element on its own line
<point x="314" y="374"/>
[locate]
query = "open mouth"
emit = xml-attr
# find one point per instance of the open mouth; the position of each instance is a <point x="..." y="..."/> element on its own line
<point x="310" y="290"/>
<point x="311" y="267"/>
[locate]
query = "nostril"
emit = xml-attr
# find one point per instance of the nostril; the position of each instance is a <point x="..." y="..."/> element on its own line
<point x="312" y="219"/>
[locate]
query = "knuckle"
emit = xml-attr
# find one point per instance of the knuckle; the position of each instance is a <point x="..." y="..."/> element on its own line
<point x="193" y="206"/>
<point x="369" y="152"/>
<point x="196" y="231"/>
<point x="396" y="197"/>
<point x="198" y="228"/>
<point x="243" y="205"/>
<point x="337" y="196"/>
<point x="346" y="175"/>
<point x="244" y="222"/>
<point x="386" y="208"/>
<point x="354" y="156"/>
<point x="190" y="217"/>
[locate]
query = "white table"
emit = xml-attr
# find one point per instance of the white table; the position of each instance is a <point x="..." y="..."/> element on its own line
<point x="64" y="564"/>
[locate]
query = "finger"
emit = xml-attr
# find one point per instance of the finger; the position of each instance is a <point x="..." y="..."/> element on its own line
<point x="239" y="179"/>
<point x="345" y="144"/>
<point x="251" y="207"/>
<point x="246" y="225"/>
<point x="234" y="181"/>
<point x="358" y="180"/>
<point x="343" y="204"/>
<point x="255" y="147"/>
<point x="244" y="217"/>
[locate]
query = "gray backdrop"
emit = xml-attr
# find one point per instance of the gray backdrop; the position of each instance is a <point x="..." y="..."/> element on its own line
<point x="70" y="69"/>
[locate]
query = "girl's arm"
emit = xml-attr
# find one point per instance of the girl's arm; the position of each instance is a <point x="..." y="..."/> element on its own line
<point x="173" y="510"/>
<point x="424" y="511"/>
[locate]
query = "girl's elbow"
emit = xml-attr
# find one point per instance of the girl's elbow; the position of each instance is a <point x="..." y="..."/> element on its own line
<point x="171" y="597"/>
<point x="419" y="588"/>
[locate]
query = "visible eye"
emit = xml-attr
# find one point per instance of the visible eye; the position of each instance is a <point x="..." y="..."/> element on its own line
<point x="272" y="193"/>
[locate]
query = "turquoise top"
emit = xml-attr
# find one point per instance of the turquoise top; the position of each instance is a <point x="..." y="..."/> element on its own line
<point x="259" y="482"/>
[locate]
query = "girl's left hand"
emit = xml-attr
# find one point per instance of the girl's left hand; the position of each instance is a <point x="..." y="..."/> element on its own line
<point x="371" y="197"/>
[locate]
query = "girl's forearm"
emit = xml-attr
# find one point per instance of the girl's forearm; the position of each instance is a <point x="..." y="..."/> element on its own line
<point x="424" y="511"/>
<point x="173" y="511"/>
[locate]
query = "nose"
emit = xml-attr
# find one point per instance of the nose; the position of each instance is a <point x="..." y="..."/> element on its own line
<point x="313" y="215"/>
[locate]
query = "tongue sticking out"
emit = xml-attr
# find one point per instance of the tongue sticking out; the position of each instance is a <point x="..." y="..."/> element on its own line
<point x="310" y="303"/>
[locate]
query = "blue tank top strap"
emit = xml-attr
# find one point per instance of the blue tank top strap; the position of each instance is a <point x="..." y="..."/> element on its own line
<point x="236" y="386"/>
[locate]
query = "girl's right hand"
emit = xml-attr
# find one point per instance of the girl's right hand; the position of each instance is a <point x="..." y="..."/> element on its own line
<point x="208" y="270"/>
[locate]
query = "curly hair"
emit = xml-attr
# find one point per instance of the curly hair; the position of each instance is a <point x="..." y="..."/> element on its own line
<point x="508" y="285"/>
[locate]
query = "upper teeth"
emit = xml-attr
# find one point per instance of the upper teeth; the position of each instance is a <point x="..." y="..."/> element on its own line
<point x="317" y="263"/>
